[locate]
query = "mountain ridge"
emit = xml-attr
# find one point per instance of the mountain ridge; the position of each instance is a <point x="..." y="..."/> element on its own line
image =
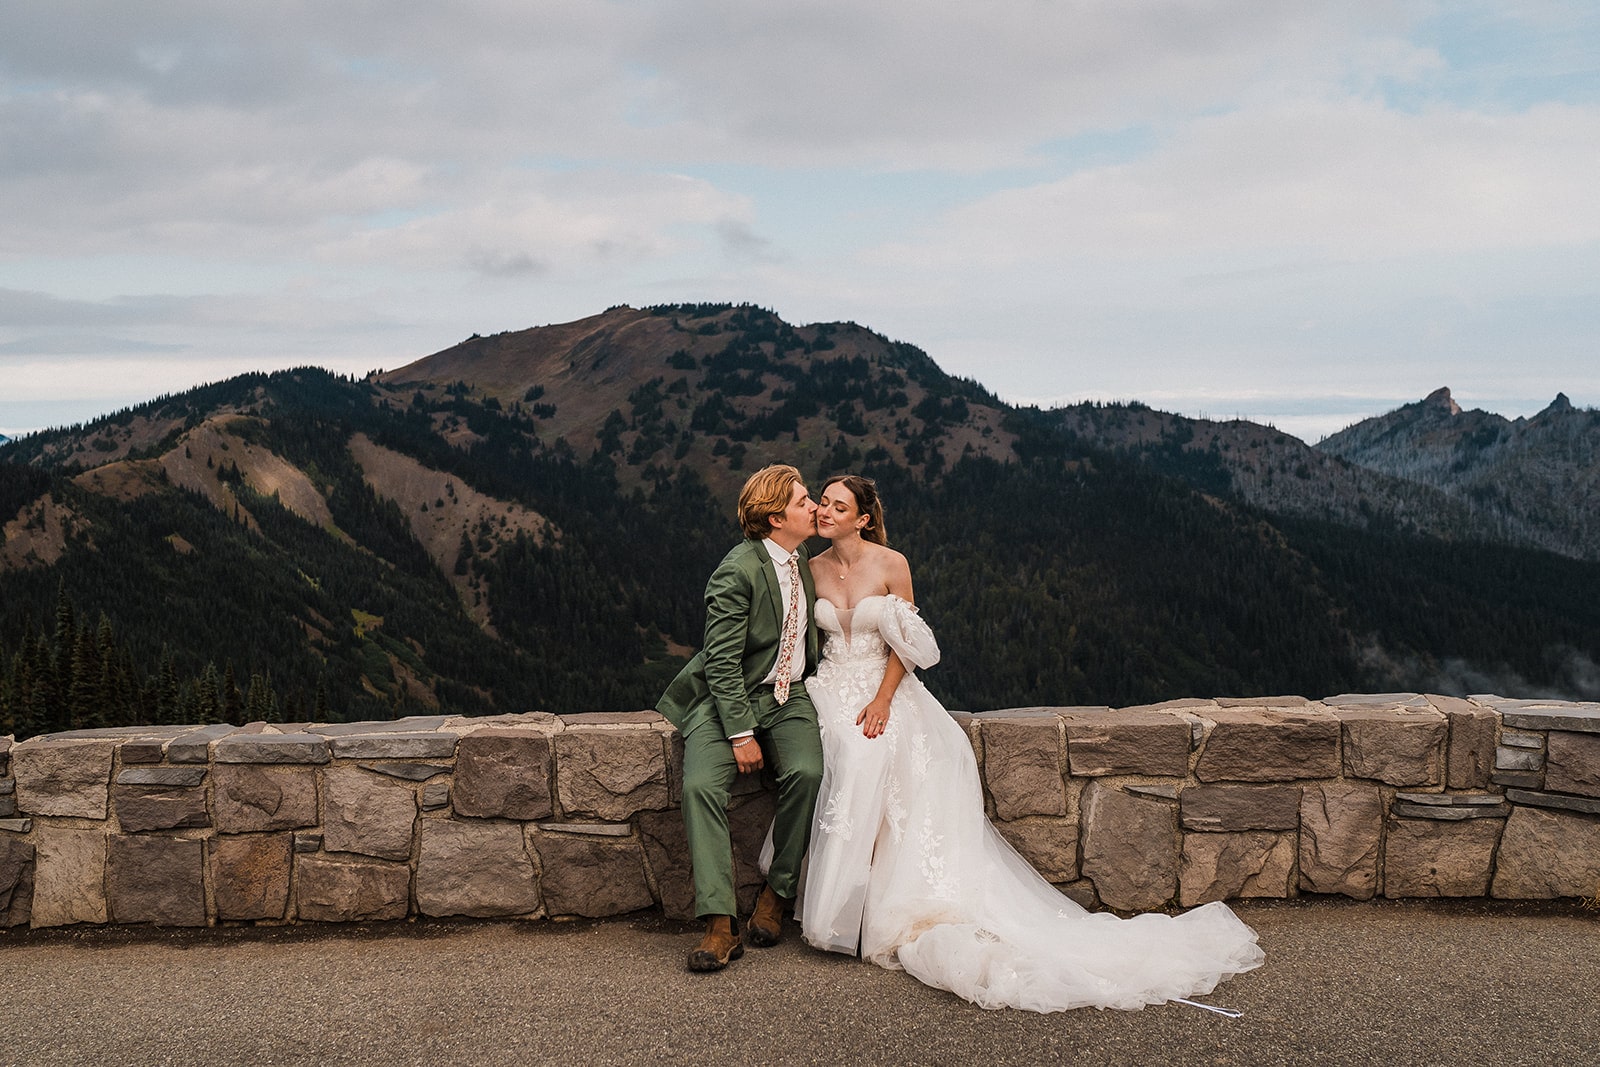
<point x="524" y="522"/>
<point x="1531" y="480"/>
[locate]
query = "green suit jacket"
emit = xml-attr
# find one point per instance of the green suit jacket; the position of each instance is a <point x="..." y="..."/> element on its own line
<point x="744" y="626"/>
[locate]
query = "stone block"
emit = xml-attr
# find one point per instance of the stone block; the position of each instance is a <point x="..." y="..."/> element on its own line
<point x="1408" y="700"/>
<point x="1050" y="845"/>
<point x="666" y="852"/>
<point x="247" y="798"/>
<point x="1540" y="715"/>
<point x="16" y="826"/>
<point x="411" y="772"/>
<point x="1225" y="866"/>
<point x="1559" y="801"/>
<point x="1127" y="742"/>
<point x="1572" y="763"/>
<point x="1507" y="758"/>
<point x="8" y="805"/>
<point x="435" y="795"/>
<point x="1234" y="807"/>
<point x="503" y="774"/>
<point x="593" y="829"/>
<point x="250" y="875"/>
<point x="69" y="778"/>
<point x="1429" y="858"/>
<point x="69" y="877"/>
<point x="1288" y="701"/>
<point x="673" y="743"/>
<point x="176" y="777"/>
<point x="1399" y="746"/>
<point x="270" y="748"/>
<point x="411" y="724"/>
<point x="141" y="750"/>
<point x="1546" y="854"/>
<point x="16" y="881"/>
<point x="1469" y="758"/>
<point x="1023" y="766"/>
<point x="613" y="718"/>
<point x="611" y="773"/>
<point x="157" y="880"/>
<point x="477" y="868"/>
<point x="394" y="746"/>
<point x="5" y="753"/>
<point x="351" y="890"/>
<point x="1522" y="738"/>
<point x="195" y="745"/>
<point x="1269" y="744"/>
<point x="1448" y="813"/>
<point x="593" y="877"/>
<point x="367" y="814"/>
<point x="1130" y="848"/>
<point x="1518" y="779"/>
<point x="157" y="807"/>
<point x="307" y="842"/>
<point x="1341" y="834"/>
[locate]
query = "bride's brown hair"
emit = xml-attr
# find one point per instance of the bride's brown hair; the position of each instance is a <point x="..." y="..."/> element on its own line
<point x="865" y="490"/>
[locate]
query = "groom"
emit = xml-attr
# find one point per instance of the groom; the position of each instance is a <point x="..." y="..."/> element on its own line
<point x="741" y="704"/>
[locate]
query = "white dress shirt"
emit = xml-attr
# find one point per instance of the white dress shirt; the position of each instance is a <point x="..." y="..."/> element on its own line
<point x="797" y="659"/>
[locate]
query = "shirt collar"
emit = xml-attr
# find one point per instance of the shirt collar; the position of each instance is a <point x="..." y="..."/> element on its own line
<point x="779" y="556"/>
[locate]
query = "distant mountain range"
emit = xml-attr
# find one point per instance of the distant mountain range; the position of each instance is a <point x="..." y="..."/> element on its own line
<point x="1530" y="481"/>
<point x="525" y="521"/>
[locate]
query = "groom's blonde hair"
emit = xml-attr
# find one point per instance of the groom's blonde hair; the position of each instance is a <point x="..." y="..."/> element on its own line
<point x="766" y="493"/>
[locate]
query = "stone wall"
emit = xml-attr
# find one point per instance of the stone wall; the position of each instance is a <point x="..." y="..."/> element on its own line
<point x="531" y="816"/>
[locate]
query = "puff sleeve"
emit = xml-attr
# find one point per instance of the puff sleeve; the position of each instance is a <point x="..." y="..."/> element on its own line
<point x="904" y="630"/>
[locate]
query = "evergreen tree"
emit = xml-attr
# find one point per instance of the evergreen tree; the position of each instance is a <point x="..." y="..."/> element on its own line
<point x="209" y="694"/>
<point x="232" y="699"/>
<point x="85" y="701"/>
<point x="167" y="692"/>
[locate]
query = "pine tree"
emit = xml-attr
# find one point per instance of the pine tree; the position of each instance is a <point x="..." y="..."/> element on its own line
<point x="85" y="700"/>
<point x="209" y="693"/>
<point x="59" y="696"/>
<point x="167" y="691"/>
<point x="232" y="699"/>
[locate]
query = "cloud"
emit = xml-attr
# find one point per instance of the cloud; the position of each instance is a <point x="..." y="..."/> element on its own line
<point x="1054" y="197"/>
<point x="1347" y="181"/>
<point x="80" y="344"/>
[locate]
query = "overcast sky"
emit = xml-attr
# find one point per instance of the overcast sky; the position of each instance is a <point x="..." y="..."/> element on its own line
<point x="1302" y="213"/>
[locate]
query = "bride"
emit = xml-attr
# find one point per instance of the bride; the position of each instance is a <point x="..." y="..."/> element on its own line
<point x="905" y="868"/>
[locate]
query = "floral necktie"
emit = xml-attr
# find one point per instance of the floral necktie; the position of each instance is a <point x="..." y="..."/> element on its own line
<point x="791" y="633"/>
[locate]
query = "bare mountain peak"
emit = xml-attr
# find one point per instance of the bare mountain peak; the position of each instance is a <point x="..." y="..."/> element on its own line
<point x="1560" y="405"/>
<point x="1441" y="398"/>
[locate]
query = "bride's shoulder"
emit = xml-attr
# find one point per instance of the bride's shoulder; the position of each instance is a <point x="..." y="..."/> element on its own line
<point x="889" y="559"/>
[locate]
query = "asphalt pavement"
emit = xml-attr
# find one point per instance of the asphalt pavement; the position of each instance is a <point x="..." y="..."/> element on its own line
<point x="1393" y="983"/>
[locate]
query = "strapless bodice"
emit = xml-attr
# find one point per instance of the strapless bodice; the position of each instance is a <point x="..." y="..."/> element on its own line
<point x="852" y="633"/>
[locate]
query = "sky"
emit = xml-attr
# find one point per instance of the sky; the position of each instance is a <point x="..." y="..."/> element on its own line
<point x="1302" y="214"/>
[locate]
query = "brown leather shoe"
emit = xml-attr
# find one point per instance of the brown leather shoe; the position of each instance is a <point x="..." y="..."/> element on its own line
<point x="765" y="927"/>
<point x="720" y="945"/>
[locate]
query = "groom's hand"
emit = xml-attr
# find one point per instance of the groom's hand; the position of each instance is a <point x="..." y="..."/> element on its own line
<point x="747" y="753"/>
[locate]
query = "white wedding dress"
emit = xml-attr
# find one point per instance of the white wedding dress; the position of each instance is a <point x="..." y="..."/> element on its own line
<point x="905" y="867"/>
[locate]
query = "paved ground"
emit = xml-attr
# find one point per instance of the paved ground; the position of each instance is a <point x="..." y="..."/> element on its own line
<point x="1344" y="983"/>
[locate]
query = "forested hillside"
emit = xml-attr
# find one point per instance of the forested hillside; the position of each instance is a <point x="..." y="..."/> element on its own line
<point x="1534" y="480"/>
<point x="526" y="522"/>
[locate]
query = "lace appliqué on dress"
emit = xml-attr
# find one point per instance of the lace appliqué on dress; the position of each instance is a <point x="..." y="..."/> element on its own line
<point x="836" y="817"/>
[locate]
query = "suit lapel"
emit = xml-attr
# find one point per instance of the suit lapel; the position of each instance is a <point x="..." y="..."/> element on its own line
<point x="774" y="596"/>
<point x="810" y="586"/>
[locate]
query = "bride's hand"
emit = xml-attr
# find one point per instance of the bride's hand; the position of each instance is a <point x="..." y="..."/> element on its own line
<point x="874" y="718"/>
